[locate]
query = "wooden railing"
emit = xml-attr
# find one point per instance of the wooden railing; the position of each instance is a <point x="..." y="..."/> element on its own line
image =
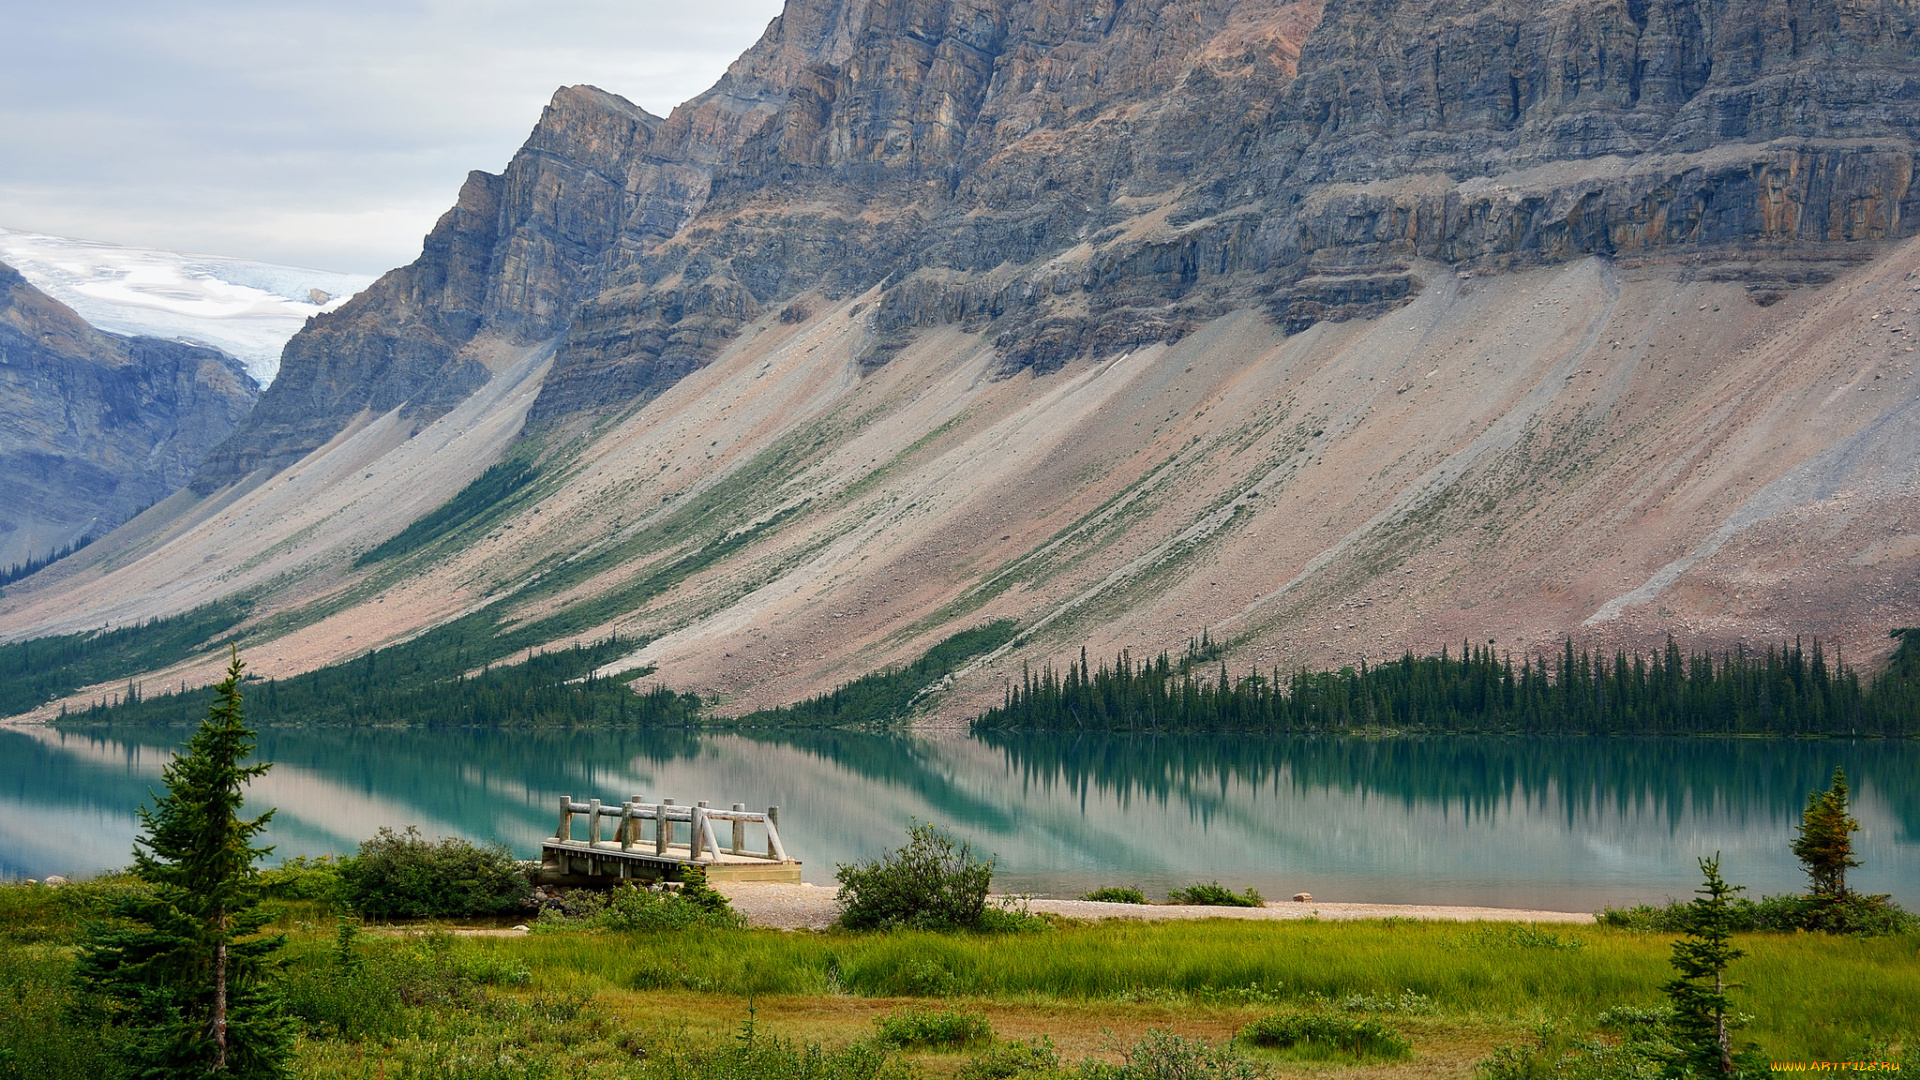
<point x="631" y="832"/>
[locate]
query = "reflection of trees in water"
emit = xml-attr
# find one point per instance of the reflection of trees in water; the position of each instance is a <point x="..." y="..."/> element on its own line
<point x="900" y="762"/>
<point x="1478" y="774"/>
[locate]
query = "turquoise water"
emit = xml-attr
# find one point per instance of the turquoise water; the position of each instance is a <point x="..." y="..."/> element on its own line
<point x="1555" y="823"/>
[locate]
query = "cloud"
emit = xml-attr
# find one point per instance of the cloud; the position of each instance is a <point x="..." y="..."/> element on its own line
<point x="313" y="135"/>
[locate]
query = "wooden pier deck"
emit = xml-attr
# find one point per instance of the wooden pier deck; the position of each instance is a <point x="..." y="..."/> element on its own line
<point x="679" y="837"/>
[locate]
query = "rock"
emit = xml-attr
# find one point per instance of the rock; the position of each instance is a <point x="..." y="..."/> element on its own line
<point x="319" y="296"/>
<point x="95" y="427"/>
<point x="54" y="881"/>
<point x="31" y="881"/>
<point x="521" y="928"/>
<point x="1303" y="898"/>
<point x="1088" y="178"/>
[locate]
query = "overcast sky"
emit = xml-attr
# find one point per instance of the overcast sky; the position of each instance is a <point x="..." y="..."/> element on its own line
<point x="324" y="135"/>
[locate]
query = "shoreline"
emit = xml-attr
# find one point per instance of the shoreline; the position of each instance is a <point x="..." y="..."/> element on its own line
<point x="811" y="907"/>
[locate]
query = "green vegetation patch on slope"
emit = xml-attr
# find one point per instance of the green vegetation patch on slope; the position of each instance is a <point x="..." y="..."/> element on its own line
<point x="430" y="681"/>
<point x="1787" y="691"/>
<point x="35" y="672"/>
<point x="481" y="499"/>
<point x="892" y="693"/>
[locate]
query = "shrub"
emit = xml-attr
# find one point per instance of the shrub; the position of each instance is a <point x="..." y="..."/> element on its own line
<point x="1162" y="1055"/>
<point x="1870" y="916"/>
<point x="1013" y="1060"/>
<point x="1122" y="894"/>
<point x="44" y="915"/>
<point x="636" y="907"/>
<point x="774" y="1059"/>
<point x="405" y="875"/>
<point x="1215" y="895"/>
<point x="1323" y="1032"/>
<point x="943" y="1029"/>
<point x="931" y="883"/>
<point x="303" y="879"/>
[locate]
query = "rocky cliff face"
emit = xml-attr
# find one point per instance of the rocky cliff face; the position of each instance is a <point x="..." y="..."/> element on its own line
<point x="1089" y="176"/>
<point x="598" y="179"/>
<point x="1093" y="176"/>
<point x="94" y="426"/>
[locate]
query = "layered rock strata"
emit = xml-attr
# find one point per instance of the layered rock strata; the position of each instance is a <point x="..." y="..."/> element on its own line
<point x="1090" y="176"/>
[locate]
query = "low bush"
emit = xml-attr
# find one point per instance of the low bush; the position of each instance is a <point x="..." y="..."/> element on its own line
<point x="405" y="875"/>
<point x="642" y="908"/>
<point x="1317" y="1034"/>
<point x="1014" y="1060"/>
<point x="1215" y="894"/>
<point x="49" y="915"/>
<point x="931" y="883"/>
<point x="1116" y="895"/>
<point x="1162" y="1055"/>
<point x="752" y="1058"/>
<point x="1869" y="916"/>
<point x="304" y="878"/>
<point x="915" y="1028"/>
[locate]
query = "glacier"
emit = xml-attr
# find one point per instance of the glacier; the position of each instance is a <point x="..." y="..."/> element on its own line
<point x="244" y="308"/>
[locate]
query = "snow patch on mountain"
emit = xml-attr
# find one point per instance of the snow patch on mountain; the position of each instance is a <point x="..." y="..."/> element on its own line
<point x="247" y="309"/>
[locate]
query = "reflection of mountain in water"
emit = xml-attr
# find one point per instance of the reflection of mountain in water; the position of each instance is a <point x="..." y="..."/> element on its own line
<point x="1558" y="823"/>
<point x="1476" y="775"/>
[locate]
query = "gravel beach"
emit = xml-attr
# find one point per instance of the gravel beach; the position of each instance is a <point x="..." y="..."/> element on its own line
<point x="811" y="907"/>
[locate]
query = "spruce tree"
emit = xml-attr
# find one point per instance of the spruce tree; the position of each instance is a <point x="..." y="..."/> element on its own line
<point x="1825" y="844"/>
<point x="187" y="972"/>
<point x="1703" y="1021"/>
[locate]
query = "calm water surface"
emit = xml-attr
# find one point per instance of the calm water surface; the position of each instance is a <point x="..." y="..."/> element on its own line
<point x="1554" y="823"/>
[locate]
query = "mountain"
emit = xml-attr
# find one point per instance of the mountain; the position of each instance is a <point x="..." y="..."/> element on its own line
<point x="95" y="427"/>
<point x="1332" y="330"/>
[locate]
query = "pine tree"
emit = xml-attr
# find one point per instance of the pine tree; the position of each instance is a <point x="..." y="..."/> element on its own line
<point x="1825" y="844"/>
<point x="186" y="969"/>
<point x="1703" y="1018"/>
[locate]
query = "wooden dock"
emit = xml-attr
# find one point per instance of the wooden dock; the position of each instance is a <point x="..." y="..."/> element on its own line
<point x="678" y="837"/>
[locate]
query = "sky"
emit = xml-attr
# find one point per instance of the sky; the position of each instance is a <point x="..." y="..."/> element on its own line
<point x="326" y="135"/>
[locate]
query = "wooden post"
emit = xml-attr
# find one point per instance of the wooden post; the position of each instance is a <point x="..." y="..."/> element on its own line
<point x="625" y="835"/>
<point x="593" y="822"/>
<point x="663" y="831"/>
<point x="564" y="833"/>
<point x="696" y="834"/>
<point x="773" y="827"/>
<point x="739" y="830"/>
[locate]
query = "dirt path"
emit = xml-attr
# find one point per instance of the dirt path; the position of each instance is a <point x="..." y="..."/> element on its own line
<point x="811" y="907"/>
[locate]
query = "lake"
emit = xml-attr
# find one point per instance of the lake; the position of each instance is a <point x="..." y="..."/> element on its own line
<point x="1567" y="824"/>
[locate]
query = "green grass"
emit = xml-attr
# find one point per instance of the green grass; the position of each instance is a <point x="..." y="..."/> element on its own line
<point x="710" y="1002"/>
<point x="1810" y="994"/>
<point x="916" y="1027"/>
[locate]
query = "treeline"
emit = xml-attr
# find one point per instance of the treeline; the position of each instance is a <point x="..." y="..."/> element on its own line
<point x="422" y="684"/>
<point x="1793" y="690"/>
<point x="32" y="566"/>
<point x="35" y="672"/>
<point x="891" y="693"/>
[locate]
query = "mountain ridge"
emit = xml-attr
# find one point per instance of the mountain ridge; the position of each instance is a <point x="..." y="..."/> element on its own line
<point x="1331" y="331"/>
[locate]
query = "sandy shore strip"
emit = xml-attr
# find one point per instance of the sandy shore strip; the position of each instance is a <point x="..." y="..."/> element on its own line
<point x="811" y="907"/>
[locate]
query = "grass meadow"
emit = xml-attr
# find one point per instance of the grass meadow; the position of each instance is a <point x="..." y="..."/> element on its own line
<point x="433" y="1002"/>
